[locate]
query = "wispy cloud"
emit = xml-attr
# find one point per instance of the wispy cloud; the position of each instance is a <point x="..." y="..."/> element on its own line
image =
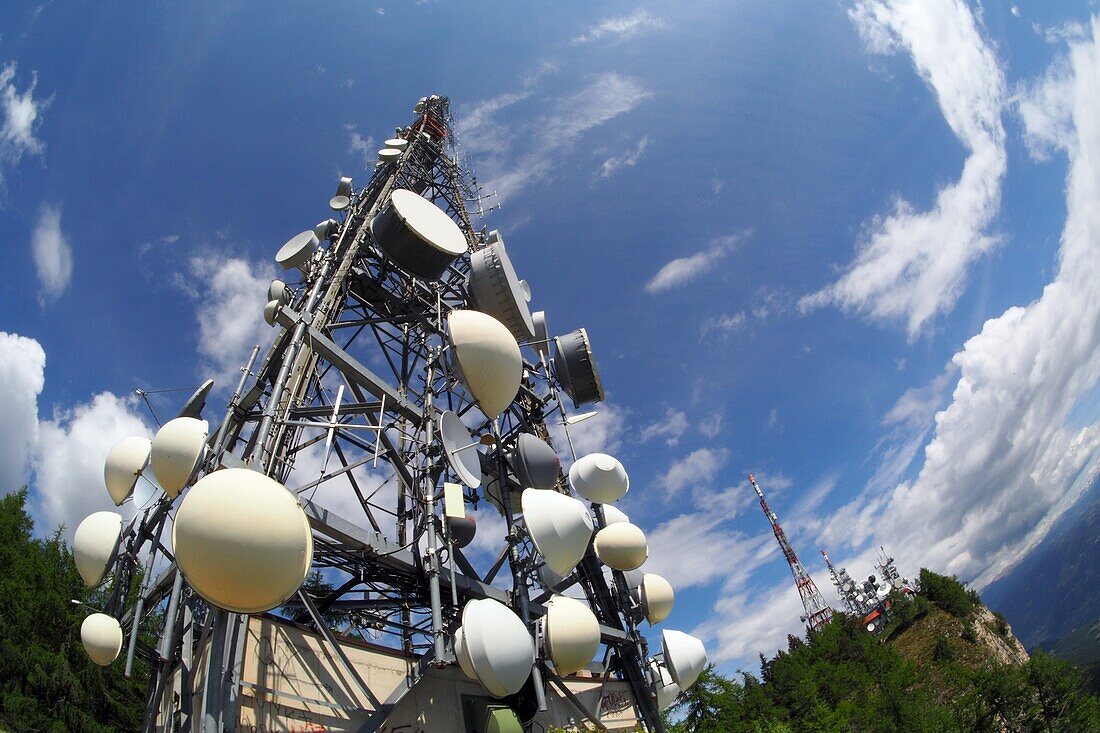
<point x="671" y="426"/>
<point x="53" y="258"/>
<point x="697" y="470"/>
<point x="626" y="159"/>
<point x="683" y="270"/>
<point x="364" y="147"/>
<point x="20" y="121"/>
<point x="723" y="324"/>
<point x="621" y="28"/>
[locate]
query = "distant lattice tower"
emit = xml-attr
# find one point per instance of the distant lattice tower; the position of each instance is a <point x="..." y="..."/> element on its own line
<point x="845" y="587"/>
<point x="818" y="612"/>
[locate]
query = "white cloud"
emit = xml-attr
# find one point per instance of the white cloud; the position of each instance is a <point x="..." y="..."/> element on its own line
<point x="683" y="550"/>
<point x="723" y="324"/>
<point x="600" y="434"/>
<point x="671" y="427"/>
<point x="21" y="118"/>
<point x="622" y="28"/>
<point x="363" y="147"/>
<point x="1044" y="108"/>
<point x="627" y="159"/>
<point x="695" y="471"/>
<point x="22" y="374"/>
<point x="710" y="426"/>
<point x="912" y="265"/>
<point x="53" y="258"/>
<point x="683" y="270"/>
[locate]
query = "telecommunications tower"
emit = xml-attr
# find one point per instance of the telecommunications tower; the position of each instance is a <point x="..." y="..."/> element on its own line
<point x="818" y="613"/>
<point x="318" y="573"/>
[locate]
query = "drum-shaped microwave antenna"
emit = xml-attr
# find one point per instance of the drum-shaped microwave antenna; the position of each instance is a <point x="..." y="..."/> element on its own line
<point x="497" y="290"/>
<point x="463" y="654"/>
<point x="417" y="235"/>
<point x="298" y="249"/>
<point x="101" y="636"/>
<point x="621" y="546"/>
<point x="94" y="545"/>
<point x="499" y="646"/>
<point x="541" y="343"/>
<point x="571" y="634"/>
<point x="487" y="357"/>
<point x="399" y="143"/>
<point x="242" y="541"/>
<point x="535" y="463"/>
<point x="125" y="462"/>
<point x="600" y="478"/>
<point x="326" y="229"/>
<point x="657" y="598"/>
<point x="685" y="657"/>
<point x="343" y="188"/>
<point x="460" y="448"/>
<point x="278" y="291"/>
<point x="667" y="690"/>
<point x="388" y="155"/>
<point x="575" y="368"/>
<point x="177" y="449"/>
<point x="559" y="525"/>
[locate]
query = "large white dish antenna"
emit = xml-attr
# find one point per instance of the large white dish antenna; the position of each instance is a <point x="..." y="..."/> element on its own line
<point x="417" y="235"/>
<point x="613" y="515"/>
<point x="559" y="525"/>
<point x="487" y="357"/>
<point x="621" y="546"/>
<point x="94" y="545"/>
<point x="298" y="249"/>
<point x="497" y="290"/>
<point x="500" y="648"/>
<point x="535" y="463"/>
<point x="460" y="448"/>
<point x="657" y="598"/>
<point x="667" y="690"/>
<point x="600" y="478"/>
<point x="177" y="449"/>
<point x="575" y="368"/>
<point x="125" y="462"/>
<point x="242" y="541"/>
<point x="388" y="155"/>
<point x="101" y="636"/>
<point x="463" y="654"/>
<point x="571" y="634"/>
<point x="685" y="657"/>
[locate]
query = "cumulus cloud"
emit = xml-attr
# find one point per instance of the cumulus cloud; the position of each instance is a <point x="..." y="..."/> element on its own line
<point x="912" y="265"/>
<point x="21" y="118"/>
<point x="627" y="159"/>
<point x="363" y="147"/>
<point x="621" y="28"/>
<point x="697" y="470"/>
<point x="671" y="427"/>
<point x="53" y="257"/>
<point x="22" y="374"/>
<point x="682" y="270"/>
<point x="600" y="434"/>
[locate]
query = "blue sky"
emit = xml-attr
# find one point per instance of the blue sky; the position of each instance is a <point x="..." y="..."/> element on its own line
<point x="846" y="245"/>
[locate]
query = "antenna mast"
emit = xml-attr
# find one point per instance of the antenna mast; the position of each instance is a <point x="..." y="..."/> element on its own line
<point x="818" y="613"/>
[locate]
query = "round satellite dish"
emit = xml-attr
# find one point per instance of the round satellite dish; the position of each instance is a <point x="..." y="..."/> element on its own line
<point x="343" y="188"/>
<point x="463" y="655"/>
<point x="496" y="290"/>
<point x="535" y="463"/>
<point x="461" y="449"/>
<point x="575" y="368"/>
<point x="278" y="290"/>
<point x="559" y="525"/>
<point x="621" y="546"/>
<point x="500" y="648"/>
<point x="197" y="401"/>
<point x="389" y="155"/>
<point x="125" y="462"/>
<point x="634" y="579"/>
<point x="571" y="634"/>
<point x="326" y="229"/>
<point x="600" y="478"/>
<point x="541" y="343"/>
<point x="270" y="310"/>
<point x="339" y="203"/>
<point x="242" y="541"/>
<point x="417" y="235"/>
<point x="667" y="690"/>
<point x="297" y="251"/>
<point x="487" y="357"/>
<point x="613" y="515"/>
<point x="657" y="598"/>
<point x="397" y="143"/>
<point x="101" y="636"/>
<point x="462" y="530"/>
<point x="177" y="449"/>
<point x="94" y="545"/>
<point x="685" y="657"/>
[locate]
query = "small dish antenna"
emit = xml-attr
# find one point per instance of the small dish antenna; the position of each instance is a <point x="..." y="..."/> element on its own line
<point x="125" y="462"/>
<point x="339" y="203"/>
<point x="657" y="598"/>
<point x="298" y="249"/>
<point x="621" y="546"/>
<point x="499" y="646"/>
<point x="460" y="448"/>
<point x="541" y="343"/>
<point x="571" y="634"/>
<point x="397" y="143"/>
<point x="94" y="545"/>
<point x="613" y="515"/>
<point x="197" y="401"/>
<point x="326" y="229"/>
<point x="389" y="155"/>
<point x="685" y="657"/>
<point x="343" y="188"/>
<point x="101" y="636"/>
<point x="600" y="478"/>
<point x="178" y="447"/>
<point x="575" y="368"/>
<point x="487" y="357"/>
<point x="559" y="525"/>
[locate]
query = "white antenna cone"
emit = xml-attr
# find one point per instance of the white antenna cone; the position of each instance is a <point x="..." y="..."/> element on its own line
<point x="102" y="638"/>
<point x="500" y="648"/>
<point x="125" y="462"/>
<point x="685" y="656"/>
<point x="177" y="449"/>
<point x="488" y="359"/>
<point x="667" y="690"/>
<point x="242" y="541"/>
<point x="613" y="515"/>
<point x="599" y="478"/>
<point x="657" y="598"/>
<point x="572" y="634"/>
<point x="94" y="545"/>
<point x="621" y="546"/>
<point x="559" y="525"/>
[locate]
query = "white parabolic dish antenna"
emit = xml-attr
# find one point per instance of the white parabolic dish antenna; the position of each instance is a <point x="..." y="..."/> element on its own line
<point x="461" y="449"/>
<point x="177" y="449"/>
<point x="388" y="155"/>
<point x="657" y="598"/>
<point x="397" y="142"/>
<point x="499" y="646"/>
<point x="621" y="546"/>
<point x="535" y="463"/>
<point x="463" y="654"/>
<point x="125" y="462"/>
<point x="298" y="249"/>
<point x="101" y="636"/>
<point x="94" y="545"/>
<point x="571" y="634"/>
<point x="559" y="525"/>
<point x="600" y="478"/>
<point x="497" y="290"/>
<point x="487" y="357"/>
<point x="242" y="541"/>
<point x="685" y="657"/>
<point x="418" y="235"/>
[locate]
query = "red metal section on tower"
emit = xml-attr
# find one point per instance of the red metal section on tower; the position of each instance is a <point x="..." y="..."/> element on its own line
<point x="818" y="612"/>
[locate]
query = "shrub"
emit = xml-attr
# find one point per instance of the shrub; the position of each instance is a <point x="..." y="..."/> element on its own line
<point x="943" y="651"/>
<point x="949" y="593"/>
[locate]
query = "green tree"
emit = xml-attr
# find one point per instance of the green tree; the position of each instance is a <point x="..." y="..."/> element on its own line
<point x="949" y="593"/>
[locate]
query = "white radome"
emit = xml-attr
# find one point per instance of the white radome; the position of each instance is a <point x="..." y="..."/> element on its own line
<point x="101" y="636"/>
<point x="500" y="648"/>
<point x="94" y="545"/>
<point x="488" y="359"/>
<point x="600" y="478"/>
<point x="125" y="462"/>
<point x="571" y="634"/>
<point x="657" y="598"/>
<point x="177" y="449"/>
<point x="242" y="541"/>
<point x="685" y="657"/>
<point x="463" y="655"/>
<point x="559" y="525"/>
<point x="621" y="546"/>
<point x="667" y="691"/>
<point x="613" y="515"/>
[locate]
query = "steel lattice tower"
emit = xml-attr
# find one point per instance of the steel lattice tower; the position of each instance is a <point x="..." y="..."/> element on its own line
<point x="818" y="612"/>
